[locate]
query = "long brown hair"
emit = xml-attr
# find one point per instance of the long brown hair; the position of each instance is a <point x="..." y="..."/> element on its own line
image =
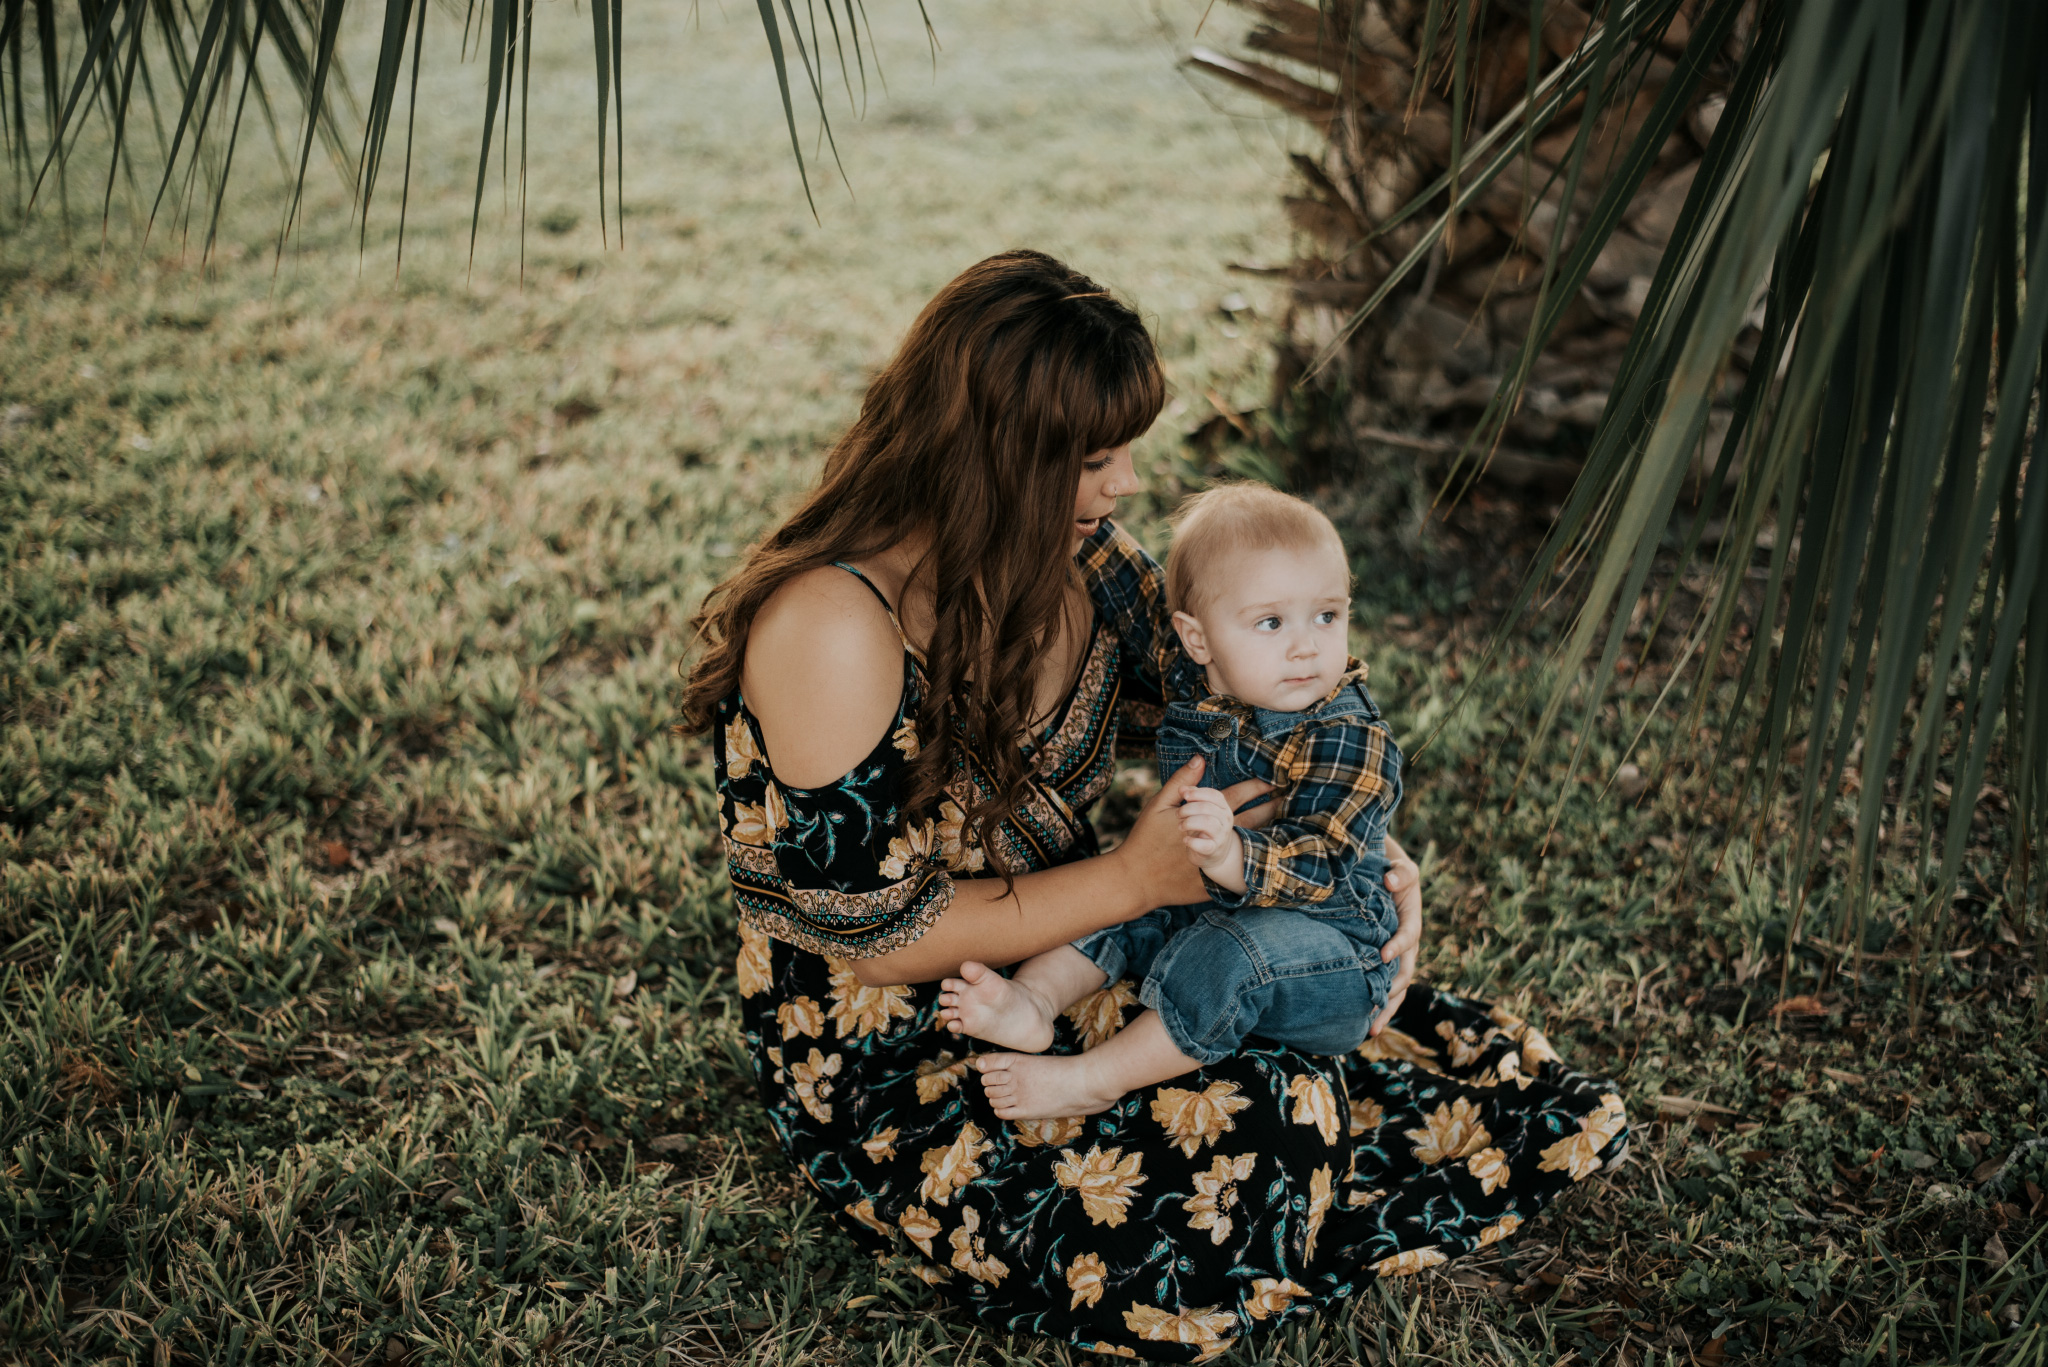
<point x="974" y="434"/>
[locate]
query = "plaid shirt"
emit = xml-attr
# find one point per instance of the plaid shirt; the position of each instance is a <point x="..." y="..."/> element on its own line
<point x="1339" y="780"/>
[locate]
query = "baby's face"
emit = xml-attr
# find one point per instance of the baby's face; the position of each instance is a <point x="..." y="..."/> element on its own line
<point x="1273" y="629"/>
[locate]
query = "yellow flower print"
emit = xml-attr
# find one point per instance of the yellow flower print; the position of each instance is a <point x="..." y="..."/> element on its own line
<point x="1409" y="1263"/>
<point x="880" y="1146"/>
<point x="1509" y="1069"/>
<point x="1321" y="1192"/>
<point x="1192" y="1119"/>
<point x="970" y="1251"/>
<point x="1579" y="1154"/>
<point x="753" y="970"/>
<point x="953" y="1167"/>
<point x="1494" y="1233"/>
<point x="1205" y="1327"/>
<point x="929" y="1275"/>
<point x="1106" y="1184"/>
<point x="1085" y="1278"/>
<point x="1465" y="1045"/>
<point x="1314" y="1103"/>
<point x="1100" y="1014"/>
<point x="1536" y="1050"/>
<point x="960" y="853"/>
<point x="937" y="1076"/>
<point x="1114" y="1350"/>
<point x="864" y="1211"/>
<point x="757" y="825"/>
<point x="1366" y="1114"/>
<point x="1272" y="1296"/>
<point x="917" y="1222"/>
<point x="904" y="738"/>
<point x="1216" y="1195"/>
<point x="910" y="849"/>
<point x="1490" y="1166"/>
<point x="858" y="1009"/>
<point x="741" y="754"/>
<point x="1034" y="1133"/>
<point x="802" y="1016"/>
<point x="812" y="1082"/>
<point x="1451" y="1131"/>
<point x="1395" y="1046"/>
<point x="1361" y="1199"/>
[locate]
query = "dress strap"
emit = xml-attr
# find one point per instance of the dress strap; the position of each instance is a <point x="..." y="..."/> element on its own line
<point x="881" y="598"/>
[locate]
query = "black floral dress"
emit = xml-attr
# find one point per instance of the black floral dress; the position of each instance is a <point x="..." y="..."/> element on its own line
<point x="1192" y="1212"/>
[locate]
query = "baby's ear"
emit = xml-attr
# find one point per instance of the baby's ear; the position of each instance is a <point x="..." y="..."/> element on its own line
<point x="1192" y="638"/>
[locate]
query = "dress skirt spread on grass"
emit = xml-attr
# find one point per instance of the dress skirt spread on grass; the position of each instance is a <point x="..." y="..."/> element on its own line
<point x="1191" y="1212"/>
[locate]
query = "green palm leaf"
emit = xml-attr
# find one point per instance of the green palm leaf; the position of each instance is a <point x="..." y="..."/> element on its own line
<point x="1865" y="180"/>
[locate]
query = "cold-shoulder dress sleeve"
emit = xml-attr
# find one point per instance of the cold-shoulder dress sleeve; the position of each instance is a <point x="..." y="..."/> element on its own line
<point x="836" y="869"/>
<point x="1128" y="590"/>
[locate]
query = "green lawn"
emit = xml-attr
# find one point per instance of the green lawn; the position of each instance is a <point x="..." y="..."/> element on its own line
<point x="366" y="988"/>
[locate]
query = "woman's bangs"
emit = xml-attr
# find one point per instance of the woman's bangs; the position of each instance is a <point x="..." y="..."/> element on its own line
<point x="1125" y="406"/>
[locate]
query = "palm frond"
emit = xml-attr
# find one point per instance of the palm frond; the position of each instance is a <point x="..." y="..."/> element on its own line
<point x="196" y="68"/>
<point x="1865" y="182"/>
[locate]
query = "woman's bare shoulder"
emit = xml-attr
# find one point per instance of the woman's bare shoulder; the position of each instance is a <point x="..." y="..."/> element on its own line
<point x="823" y="676"/>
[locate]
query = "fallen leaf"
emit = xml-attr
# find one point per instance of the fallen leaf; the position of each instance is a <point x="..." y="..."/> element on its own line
<point x="1712" y="1351"/>
<point x="337" y="854"/>
<point x="1986" y="1170"/>
<point x="2034" y="1199"/>
<point x="1678" y="1107"/>
<point x="1845" y="1077"/>
<point x="623" y="985"/>
<point x="1913" y="1158"/>
<point x="1802" y="1005"/>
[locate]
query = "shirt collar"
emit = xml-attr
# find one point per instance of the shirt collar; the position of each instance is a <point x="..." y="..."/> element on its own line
<point x="1354" y="673"/>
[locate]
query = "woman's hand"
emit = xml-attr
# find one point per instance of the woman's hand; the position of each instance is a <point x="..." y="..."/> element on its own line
<point x="1153" y="854"/>
<point x="1404" y="880"/>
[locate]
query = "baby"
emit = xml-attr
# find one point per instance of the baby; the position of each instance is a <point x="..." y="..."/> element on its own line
<point x="1288" y="947"/>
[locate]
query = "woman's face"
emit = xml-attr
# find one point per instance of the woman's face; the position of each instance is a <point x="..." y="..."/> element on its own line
<point x="1106" y="476"/>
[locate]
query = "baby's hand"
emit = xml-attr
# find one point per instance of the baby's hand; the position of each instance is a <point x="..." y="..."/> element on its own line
<point x="1209" y="831"/>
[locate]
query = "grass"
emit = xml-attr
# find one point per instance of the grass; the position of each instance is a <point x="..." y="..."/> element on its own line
<point x="366" y="985"/>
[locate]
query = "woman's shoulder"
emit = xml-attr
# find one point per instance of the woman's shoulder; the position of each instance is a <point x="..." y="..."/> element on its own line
<point x="1120" y="573"/>
<point x="823" y="677"/>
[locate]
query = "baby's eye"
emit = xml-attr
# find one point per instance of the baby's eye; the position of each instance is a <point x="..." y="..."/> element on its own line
<point x="1267" y="623"/>
<point x="1326" y="617"/>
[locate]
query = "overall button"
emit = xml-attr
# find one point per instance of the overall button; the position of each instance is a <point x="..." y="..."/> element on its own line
<point x="1219" y="729"/>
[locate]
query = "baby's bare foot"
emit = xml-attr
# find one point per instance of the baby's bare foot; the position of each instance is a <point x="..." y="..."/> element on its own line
<point x="983" y="1003"/>
<point x="1043" y="1086"/>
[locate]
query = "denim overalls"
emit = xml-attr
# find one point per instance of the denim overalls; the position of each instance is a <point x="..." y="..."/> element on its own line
<point x="1307" y="977"/>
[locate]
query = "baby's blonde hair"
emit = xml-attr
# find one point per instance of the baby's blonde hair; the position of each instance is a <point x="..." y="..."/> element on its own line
<point x="1230" y="518"/>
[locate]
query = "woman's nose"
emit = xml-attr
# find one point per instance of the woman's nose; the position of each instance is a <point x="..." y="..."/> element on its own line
<point x="1123" y="476"/>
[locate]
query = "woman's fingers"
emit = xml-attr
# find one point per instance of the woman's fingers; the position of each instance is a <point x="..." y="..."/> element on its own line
<point x="1404" y="881"/>
<point x="1397" y="992"/>
<point x="1189" y="775"/>
<point x="1237" y="794"/>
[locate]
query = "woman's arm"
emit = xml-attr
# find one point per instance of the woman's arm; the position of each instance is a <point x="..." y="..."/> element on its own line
<point x="824" y="678"/>
<point x="1049" y="908"/>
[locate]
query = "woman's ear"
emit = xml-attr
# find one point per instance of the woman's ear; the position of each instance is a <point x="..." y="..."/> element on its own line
<point x="1192" y="638"/>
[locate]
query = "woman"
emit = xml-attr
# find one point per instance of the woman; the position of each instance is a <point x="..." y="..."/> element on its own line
<point x="915" y="688"/>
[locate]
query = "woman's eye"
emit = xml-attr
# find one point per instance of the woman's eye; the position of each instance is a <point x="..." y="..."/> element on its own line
<point x="1095" y="466"/>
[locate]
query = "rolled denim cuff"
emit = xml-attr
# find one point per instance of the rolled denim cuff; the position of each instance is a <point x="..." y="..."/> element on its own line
<point x="1150" y="995"/>
<point x="1105" y="949"/>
